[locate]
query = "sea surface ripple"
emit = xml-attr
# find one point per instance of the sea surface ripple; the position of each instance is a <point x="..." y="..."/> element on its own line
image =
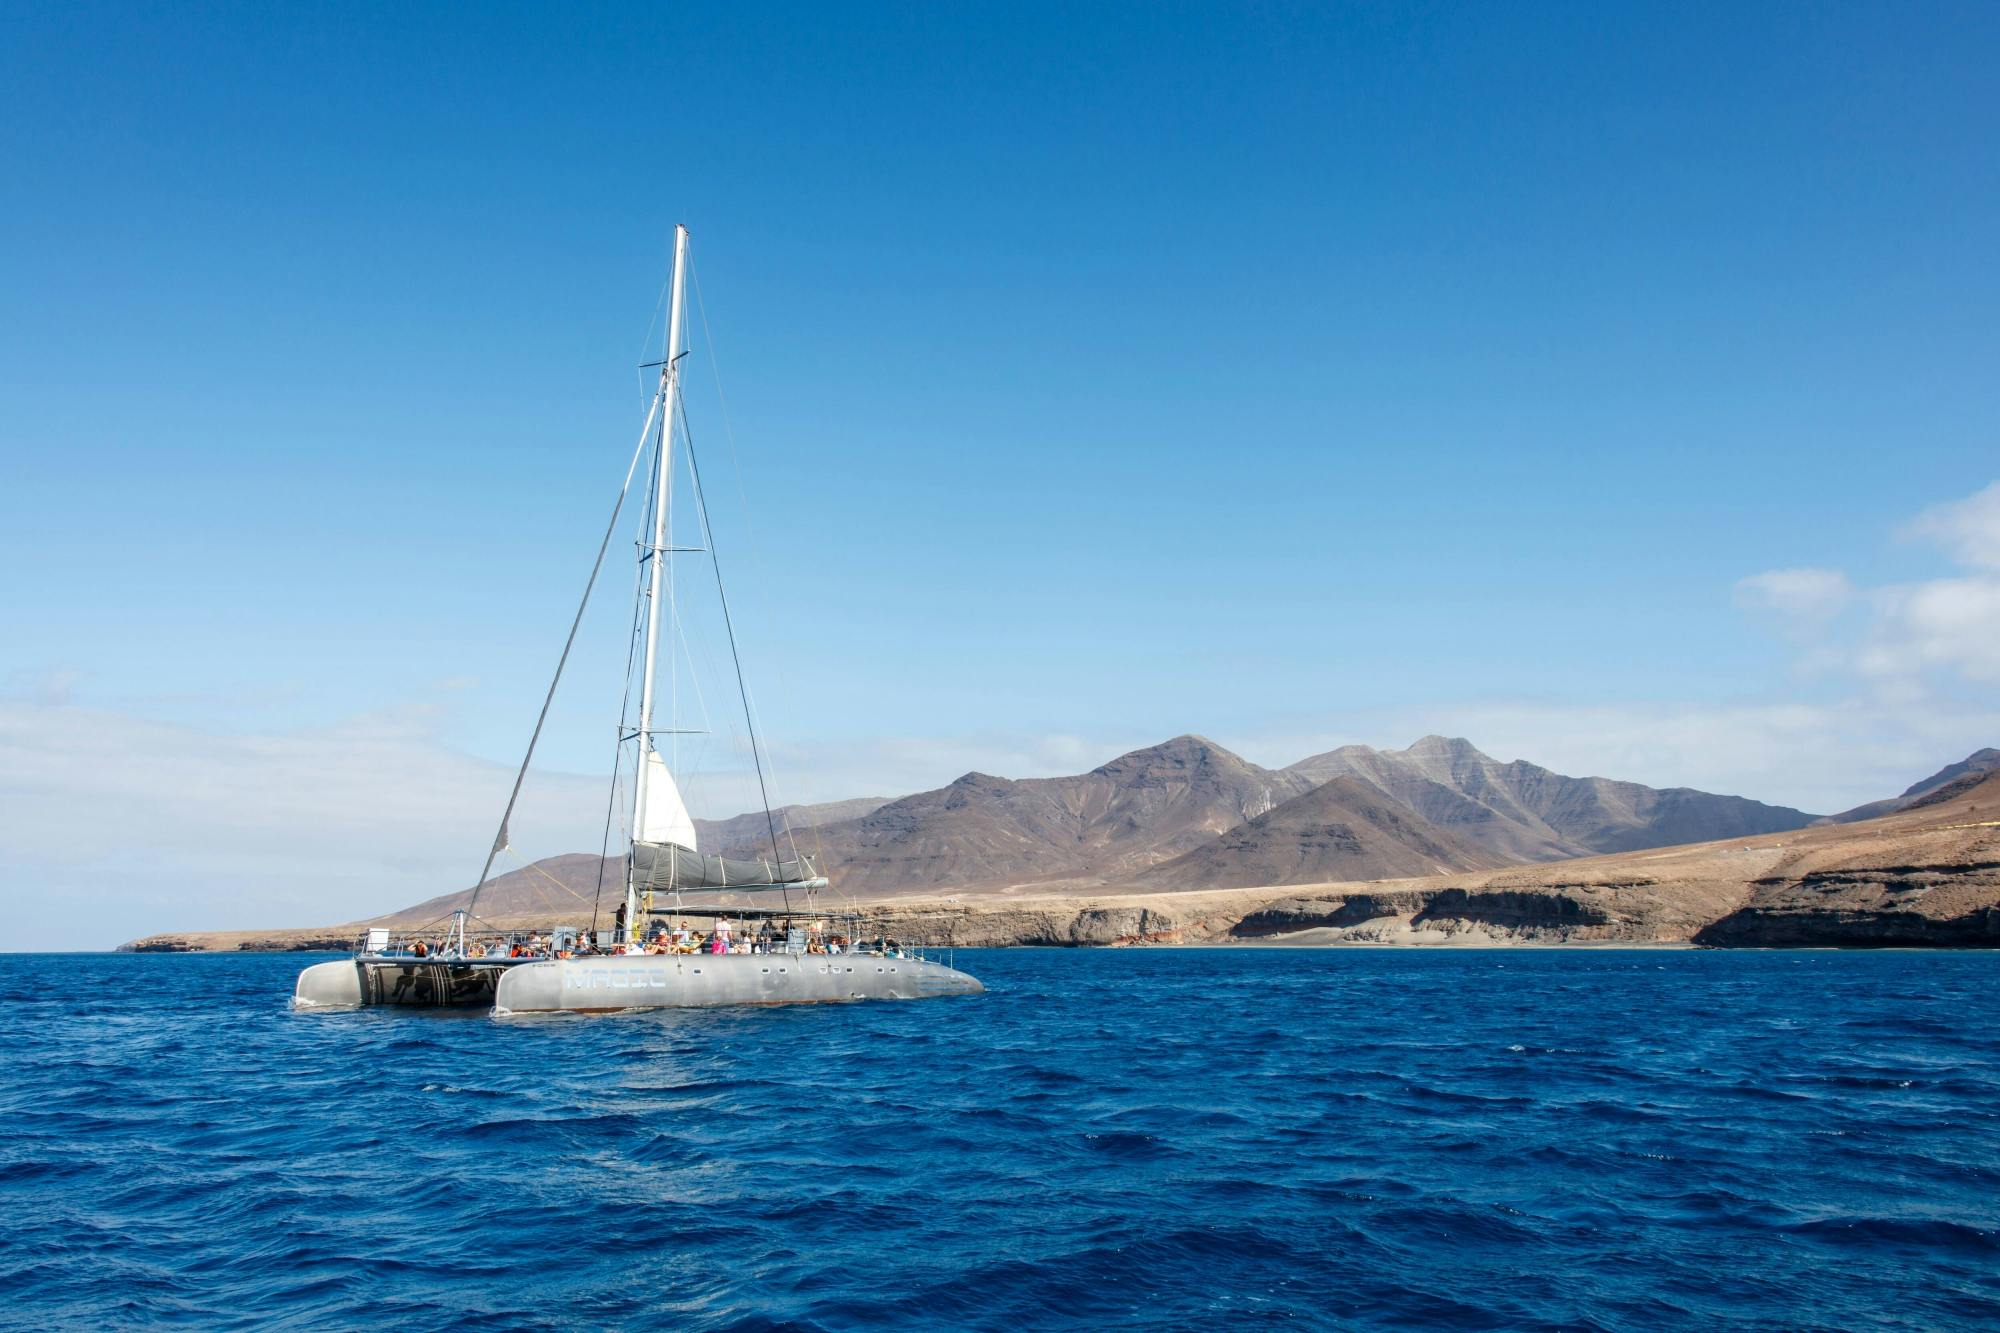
<point x="1165" y="1138"/>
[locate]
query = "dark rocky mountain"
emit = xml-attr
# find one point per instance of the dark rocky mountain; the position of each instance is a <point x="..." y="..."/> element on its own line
<point x="1926" y="876"/>
<point x="1345" y="829"/>
<point x="1439" y="805"/>
<point x="1522" y="812"/>
<point x="1112" y="822"/>
<point x="1978" y="762"/>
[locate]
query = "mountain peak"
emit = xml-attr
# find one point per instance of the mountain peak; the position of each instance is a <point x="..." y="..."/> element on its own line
<point x="1179" y="752"/>
<point x="1445" y="747"/>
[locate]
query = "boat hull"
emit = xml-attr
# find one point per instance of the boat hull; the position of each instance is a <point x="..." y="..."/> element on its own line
<point x="411" y="982"/>
<point x="685" y="981"/>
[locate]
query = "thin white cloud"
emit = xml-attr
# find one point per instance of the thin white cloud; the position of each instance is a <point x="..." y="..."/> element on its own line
<point x="1908" y="635"/>
<point x="118" y="825"/>
<point x="1944" y="625"/>
<point x="1811" y="595"/>
<point x="1968" y="529"/>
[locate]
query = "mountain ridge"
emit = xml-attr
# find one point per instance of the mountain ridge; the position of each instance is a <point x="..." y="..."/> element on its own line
<point x="1147" y="806"/>
<point x="1191" y="804"/>
<point x="1926" y="876"/>
<point x="1979" y="761"/>
<point x="1531" y="813"/>
<point x="1138" y="808"/>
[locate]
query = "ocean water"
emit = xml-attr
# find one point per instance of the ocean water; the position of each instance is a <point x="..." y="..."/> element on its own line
<point x="1147" y="1138"/>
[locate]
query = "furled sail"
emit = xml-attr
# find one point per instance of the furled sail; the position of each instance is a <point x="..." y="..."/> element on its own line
<point x="665" y="816"/>
<point x="665" y="867"/>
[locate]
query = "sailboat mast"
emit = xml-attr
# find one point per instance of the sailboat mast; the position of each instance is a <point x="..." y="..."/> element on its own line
<point x="657" y="588"/>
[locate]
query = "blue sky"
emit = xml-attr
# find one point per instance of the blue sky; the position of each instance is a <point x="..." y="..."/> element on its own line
<point x="1295" y="375"/>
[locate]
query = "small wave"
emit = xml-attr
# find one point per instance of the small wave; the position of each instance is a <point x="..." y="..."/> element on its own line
<point x="1927" y="1233"/>
<point x="1607" y="1141"/>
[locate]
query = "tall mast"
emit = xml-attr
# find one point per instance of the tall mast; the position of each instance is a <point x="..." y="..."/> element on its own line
<point x="656" y="585"/>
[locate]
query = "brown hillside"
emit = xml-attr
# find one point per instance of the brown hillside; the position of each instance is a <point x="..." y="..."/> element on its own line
<point x="1341" y="830"/>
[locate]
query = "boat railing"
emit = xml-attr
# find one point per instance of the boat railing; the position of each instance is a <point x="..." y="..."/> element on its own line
<point x="514" y="946"/>
<point x="432" y="945"/>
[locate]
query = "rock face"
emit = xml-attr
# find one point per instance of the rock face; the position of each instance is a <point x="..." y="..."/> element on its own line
<point x="1974" y="765"/>
<point x="1341" y="830"/>
<point x="1928" y="875"/>
<point x="1521" y="812"/>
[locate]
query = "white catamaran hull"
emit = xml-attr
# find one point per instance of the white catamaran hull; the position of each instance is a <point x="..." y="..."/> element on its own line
<point x="416" y="982"/>
<point x="679" y="981"/>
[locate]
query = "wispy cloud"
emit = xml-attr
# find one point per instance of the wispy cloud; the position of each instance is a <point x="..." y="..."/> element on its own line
<point x="1810" y="595"/>
<point x="117" y="824"/>
<point x="1969" y="529"/>
<point x="1905" y="637"/>
<point x="1900" y="679"/>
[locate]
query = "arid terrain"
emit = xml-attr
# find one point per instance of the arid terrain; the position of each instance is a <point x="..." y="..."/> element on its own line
<point x="1925" y="873"/>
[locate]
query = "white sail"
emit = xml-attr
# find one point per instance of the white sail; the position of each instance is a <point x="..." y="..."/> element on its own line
<point x="663" y="818"/>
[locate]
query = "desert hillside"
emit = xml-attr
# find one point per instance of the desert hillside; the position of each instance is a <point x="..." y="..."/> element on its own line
<point x="1926" y="875"/>
<point x="1120" y="821"/>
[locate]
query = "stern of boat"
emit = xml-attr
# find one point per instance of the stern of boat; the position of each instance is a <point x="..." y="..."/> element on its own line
<point x="335" y="985"/>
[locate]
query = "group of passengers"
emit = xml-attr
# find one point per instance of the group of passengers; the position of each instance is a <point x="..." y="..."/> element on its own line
<point x="681" y="939"/>
<point x="677" y="939"/>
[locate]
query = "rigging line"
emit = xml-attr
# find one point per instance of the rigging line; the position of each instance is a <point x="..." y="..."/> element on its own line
<point x="604" y="845"/>
<point x="645" y="343"/>
<point x="548" y="903"/>
<point x="536" y="867"/>
<point x="611" y="803"/>
<point x="500" y="838"/>
<point x="729" y="436"/>
<point x="784" y="820"/>
<point x="715" y="372"/>
<point x="708" y="540"/>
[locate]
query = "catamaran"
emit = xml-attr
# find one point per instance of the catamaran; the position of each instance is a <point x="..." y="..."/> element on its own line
<point x="461" y="962"/>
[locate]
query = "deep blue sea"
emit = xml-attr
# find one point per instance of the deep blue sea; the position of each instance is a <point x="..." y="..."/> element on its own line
<point x="1169" y="1138"/>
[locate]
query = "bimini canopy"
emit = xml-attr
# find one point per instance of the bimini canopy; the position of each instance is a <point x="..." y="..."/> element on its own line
<point x="657" y="866"/>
